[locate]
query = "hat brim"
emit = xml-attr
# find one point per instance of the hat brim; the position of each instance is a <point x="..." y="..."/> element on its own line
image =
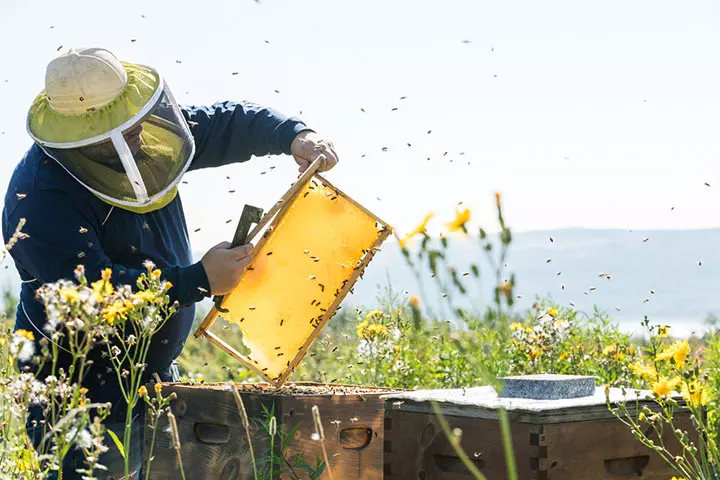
<point x="46" y="125"/>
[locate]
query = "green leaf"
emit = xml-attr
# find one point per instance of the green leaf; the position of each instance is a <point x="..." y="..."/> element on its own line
<point x="118" y="443"/>
<point x="289" y="436"/>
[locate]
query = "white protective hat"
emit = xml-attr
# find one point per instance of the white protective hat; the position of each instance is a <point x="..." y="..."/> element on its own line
<point x="114" y="126"/>
<point x="84" y="78"/>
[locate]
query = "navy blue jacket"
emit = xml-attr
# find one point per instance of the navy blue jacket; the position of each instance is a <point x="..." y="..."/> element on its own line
<point x="68" y="225"/>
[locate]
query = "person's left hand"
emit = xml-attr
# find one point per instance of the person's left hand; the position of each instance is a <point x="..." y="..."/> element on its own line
<point x="307" y="146"/>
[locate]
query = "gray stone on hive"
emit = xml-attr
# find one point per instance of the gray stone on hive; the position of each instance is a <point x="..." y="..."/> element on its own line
<point x="548" y="386"/>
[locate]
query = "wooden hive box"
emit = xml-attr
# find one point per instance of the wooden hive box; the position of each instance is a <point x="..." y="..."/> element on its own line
<point x="214" y="443"/>
<point x="569" y="439"/>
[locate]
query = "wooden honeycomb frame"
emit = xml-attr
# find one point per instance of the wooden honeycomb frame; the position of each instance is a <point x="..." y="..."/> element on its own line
<point x="271" y="220"/>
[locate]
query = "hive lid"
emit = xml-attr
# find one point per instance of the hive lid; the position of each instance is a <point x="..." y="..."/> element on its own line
<point x="483" y="402"/>
<point x="316" y="243"/>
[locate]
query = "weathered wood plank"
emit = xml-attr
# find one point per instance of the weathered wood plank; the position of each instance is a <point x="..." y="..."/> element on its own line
<point x="214" y="444"/>
<point x="417" y="448"/>
<point x="606" y="450"/>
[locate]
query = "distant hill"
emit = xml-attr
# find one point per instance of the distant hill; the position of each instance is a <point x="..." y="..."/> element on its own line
<point x="681" y="267"/>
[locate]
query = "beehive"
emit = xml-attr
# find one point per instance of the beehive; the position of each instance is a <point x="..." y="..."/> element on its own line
<point x="569" y="439"/>
<point x="303" y="266"/>
<point x="214" y="443"/>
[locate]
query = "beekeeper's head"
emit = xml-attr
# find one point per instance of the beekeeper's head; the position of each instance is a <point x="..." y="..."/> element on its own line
<point x="114" y="126"/>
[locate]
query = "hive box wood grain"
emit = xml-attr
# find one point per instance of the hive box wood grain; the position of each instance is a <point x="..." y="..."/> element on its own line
<point x="214" y="442"/>
<point x="571" y="439"/>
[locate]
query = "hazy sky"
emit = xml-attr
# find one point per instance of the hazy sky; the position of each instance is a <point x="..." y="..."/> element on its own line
<point x="586" y="114"/>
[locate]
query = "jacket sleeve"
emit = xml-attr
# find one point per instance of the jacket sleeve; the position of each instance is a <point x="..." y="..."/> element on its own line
<point x="230" y="132"/>
<point x="62" y="234"/>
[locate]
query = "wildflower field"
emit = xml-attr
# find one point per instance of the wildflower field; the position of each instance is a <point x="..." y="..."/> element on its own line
<point x="393" y="343"/>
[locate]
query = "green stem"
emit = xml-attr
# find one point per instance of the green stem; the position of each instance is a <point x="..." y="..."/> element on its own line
<point x="272" y="455"/>
<point x="507" y="445"/>
<point x="126" y="438"/>
<point x="152" y="445"/>
<point x="458" y="450"/>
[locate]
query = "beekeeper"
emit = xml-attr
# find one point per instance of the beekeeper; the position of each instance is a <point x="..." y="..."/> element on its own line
<point x="99" y="188"/>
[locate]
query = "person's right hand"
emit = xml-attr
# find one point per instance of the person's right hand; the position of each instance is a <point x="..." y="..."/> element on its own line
<point x="224" y="266"/>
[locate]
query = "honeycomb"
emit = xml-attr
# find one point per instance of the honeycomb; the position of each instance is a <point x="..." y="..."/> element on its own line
<point x="302" y="269"/>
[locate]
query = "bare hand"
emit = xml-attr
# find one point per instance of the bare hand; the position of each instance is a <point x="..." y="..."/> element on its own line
<point x="308" y="146"/>
<point x="224" y="266"/>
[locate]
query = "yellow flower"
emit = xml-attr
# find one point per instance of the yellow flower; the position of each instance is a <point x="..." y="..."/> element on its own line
<point x="528" y="330"/>
<point x="106" y="274"/>
<point x="563" y="356"/>
<point x="695" y="393"/>
<point x="102" y="288"/>
<point x="553" y="312"/>
<point x="378" y="329"/>
<point x="663" y="330"/>
<point x="420" y="229"/>
<point x="369" y="330"/>
<point x="144" y="296"/>
<point x="461" y="218"/>
<point x="158" y="388"/>
<point x="414" y="301"/>
<point x="117" y="310"/>
<point x="682" y="352"/>
<point x="69" y="295"/>
<point x="83" y="390"/>
<point x="619" y="357"/>
<point x="678" y="351"/>
<point x="497" y="198"/>
<point x="642" y="370"/>
<point x="515" y="326"/>
<point x="397" y="354"/>
<point x="373" y="313"/>
<point x="156" y="274"/>
<point x="360" y="327"/>
<point x="609" y="349"/>
<point x="142" y="391"/>
<point x="642" y="417"/>
<point x="535" y="353"/>
<point x="25" y="334"/>
<point x="664" y="386"/>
